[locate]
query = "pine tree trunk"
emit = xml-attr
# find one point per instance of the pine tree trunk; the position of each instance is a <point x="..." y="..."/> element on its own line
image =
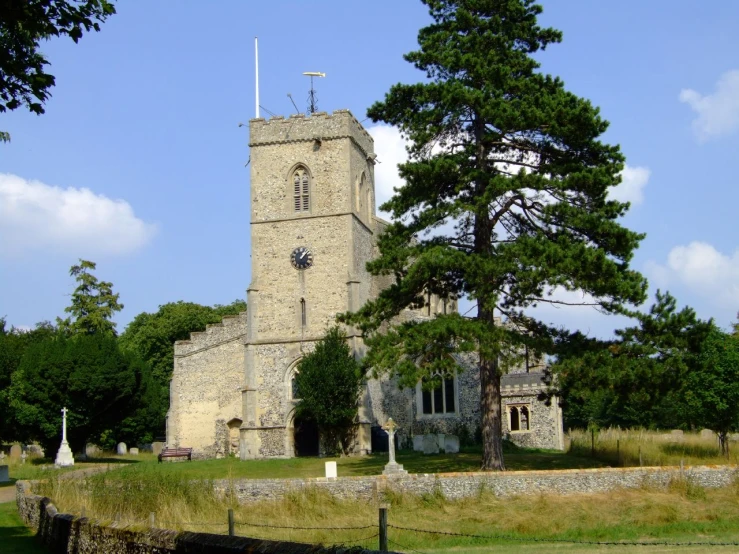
<point x="492" y="429"/>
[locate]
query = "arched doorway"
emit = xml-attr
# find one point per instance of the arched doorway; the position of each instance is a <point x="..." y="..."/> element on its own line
<point x="305" y="438"/>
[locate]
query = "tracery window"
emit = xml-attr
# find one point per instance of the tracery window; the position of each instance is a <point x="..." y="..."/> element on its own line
<point x="301" y="190"/>
<point x="519" y="418"/>
<point x="441" y="399"/>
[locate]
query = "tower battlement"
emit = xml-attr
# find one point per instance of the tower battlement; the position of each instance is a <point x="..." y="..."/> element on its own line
<point x="319" y="126"/>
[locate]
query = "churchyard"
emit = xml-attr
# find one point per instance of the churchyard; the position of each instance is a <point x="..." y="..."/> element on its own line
<point x="181" y="496"/>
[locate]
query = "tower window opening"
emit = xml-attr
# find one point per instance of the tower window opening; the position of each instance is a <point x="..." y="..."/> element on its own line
<point x="303" y="318"/>
<point x="301" y="190"/>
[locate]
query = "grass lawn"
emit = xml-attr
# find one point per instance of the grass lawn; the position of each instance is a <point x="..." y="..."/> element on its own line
<point x="414" y="462"/>
<point x="15" y="537"/>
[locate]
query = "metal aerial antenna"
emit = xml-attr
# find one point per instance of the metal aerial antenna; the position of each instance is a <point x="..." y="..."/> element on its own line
<point x="312" y="97"/>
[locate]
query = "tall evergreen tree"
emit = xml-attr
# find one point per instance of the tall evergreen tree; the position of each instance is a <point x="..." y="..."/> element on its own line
<point x="93" y="303"/>
<point x="505" y="198"/>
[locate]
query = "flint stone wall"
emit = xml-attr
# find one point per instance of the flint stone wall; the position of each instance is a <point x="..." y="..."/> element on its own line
<point x="65" y="533"/>
<point x="463" y="485"/>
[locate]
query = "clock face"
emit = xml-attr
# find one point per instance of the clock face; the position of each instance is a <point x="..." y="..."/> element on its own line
<point x="301" y="258"/>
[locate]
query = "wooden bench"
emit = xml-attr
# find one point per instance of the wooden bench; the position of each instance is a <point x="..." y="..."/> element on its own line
<point x="175" y="453"/>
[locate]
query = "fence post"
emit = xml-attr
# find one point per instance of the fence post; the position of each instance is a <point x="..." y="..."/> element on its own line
<point x="592" y="442"/>
<point x="383" y="527"/>
<point x="231" y="530"/>
<point x="152" y="519"/>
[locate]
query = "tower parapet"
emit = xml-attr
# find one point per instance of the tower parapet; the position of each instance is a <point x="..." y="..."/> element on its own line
<point x="319" y="126"/>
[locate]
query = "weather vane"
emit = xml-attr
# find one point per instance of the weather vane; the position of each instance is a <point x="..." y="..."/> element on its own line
<point x="312" y="98"/>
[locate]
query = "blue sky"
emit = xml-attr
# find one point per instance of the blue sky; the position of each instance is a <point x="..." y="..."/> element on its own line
<point x="139" y="162"/>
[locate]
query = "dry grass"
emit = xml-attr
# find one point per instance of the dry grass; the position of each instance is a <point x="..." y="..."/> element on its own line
<point x="650" y="448"/>
<point x="685" y="512"/>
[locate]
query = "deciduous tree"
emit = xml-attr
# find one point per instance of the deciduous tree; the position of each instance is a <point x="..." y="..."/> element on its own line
<point x="24" y="80"/>
<point x="711" y="391"/>
<point x="505" y="199"/>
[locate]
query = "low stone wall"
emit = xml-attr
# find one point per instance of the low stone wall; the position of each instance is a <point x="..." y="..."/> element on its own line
<point x="461" y="485"/>
<point x="65" y="533"/>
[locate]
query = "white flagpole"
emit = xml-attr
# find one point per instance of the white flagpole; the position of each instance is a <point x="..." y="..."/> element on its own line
<point x="256" y="70"/>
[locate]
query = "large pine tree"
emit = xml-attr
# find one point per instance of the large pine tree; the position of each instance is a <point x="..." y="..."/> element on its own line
<point x="505" y="198"/>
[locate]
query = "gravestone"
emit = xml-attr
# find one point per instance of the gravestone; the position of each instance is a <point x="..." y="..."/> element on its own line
<point x="707" y="434"/>
<point x="121" y="449"/>
<point x="440" y="440"/>
<point x="331" y="472"/>
<point x="2" y="456"/>
<point x="93" y="451"/>
<point x="134" y="451"/>
<point x="4" y="475"/>
<point x="35" y="451"/>
<point x="15" y="452"/>
<point x="430" y="444"/>
<point x="64" y="455"/>
<point x="451" y="444"/>
<point x="418" y="443"/>
<point x="392" y="467"/>
<point x="157" y="447"/>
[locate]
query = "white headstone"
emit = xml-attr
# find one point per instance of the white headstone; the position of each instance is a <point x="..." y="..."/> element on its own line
<point x="707" y="434"/>
<point x="2" y="455"/>
<point x="418" y="443"/>
<point x="451" y="444"/>
<point x="93" y="451"/>
<point x="440" y="440"/>
<point x="134" y="451"/>
<point x="331" y="470"/>
<point x="4" y="475"/>
<point x="121" y="449"/>
<point x="430" y="444"/>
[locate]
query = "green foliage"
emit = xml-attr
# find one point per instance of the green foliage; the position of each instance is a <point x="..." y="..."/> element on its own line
<point x="634" y="380"/>
<point x="23" y="25"/>
<point x="328" y="383"/>
<point x="13" y="344"/>
<point x="93" y="303"/>
<point x="505" y="198"/>
<point x="152" y="336"/>
<point x="711" y="390"/>
<point x="102" y="387"/>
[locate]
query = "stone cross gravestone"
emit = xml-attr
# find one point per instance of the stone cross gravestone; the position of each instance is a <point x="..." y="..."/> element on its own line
<point x="392" y="467"/>
<point x="64" y="455"/>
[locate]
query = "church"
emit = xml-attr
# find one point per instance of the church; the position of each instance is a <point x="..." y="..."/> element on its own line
<point x="313" y="230"/>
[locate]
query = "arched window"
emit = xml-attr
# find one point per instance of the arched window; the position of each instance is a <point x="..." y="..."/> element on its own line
<point x="515" y="421"/>
<point x="519" y="417"/>
<point x="301" y="190"/>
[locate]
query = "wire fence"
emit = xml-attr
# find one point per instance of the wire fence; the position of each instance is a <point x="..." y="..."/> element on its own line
<point x="405" y="531"/>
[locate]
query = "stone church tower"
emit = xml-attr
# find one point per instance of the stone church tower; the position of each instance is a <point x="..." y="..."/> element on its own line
<point x="313" y="230"/>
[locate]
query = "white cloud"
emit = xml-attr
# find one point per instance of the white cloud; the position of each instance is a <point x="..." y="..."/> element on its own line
<point x="703" y="269"/>
<point x="631" y="188"/>
<point x="36" y="216"/>
<point x="718" y="113"/>
<point x="390" y="150"/>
